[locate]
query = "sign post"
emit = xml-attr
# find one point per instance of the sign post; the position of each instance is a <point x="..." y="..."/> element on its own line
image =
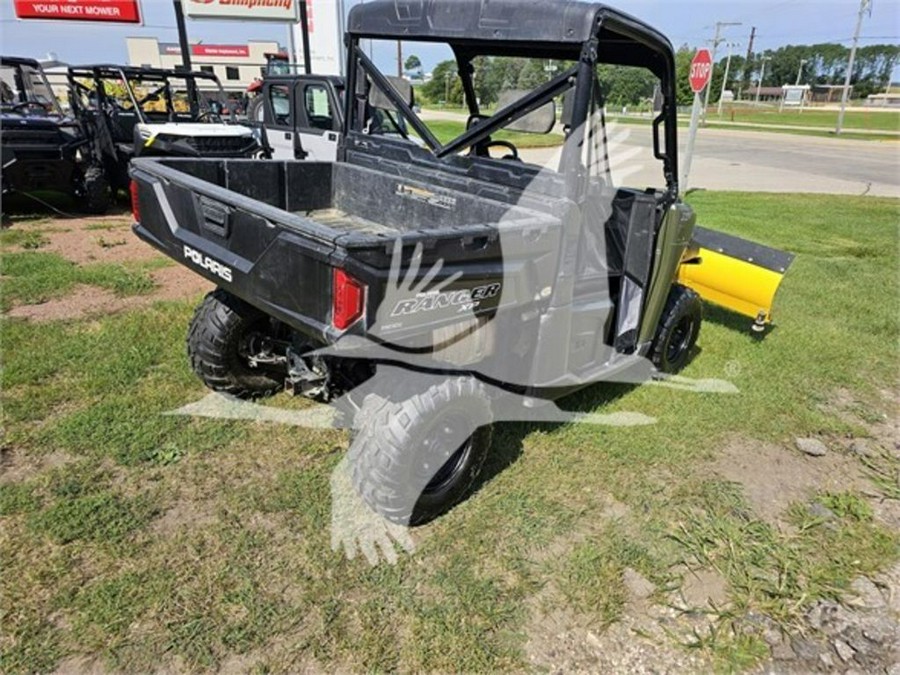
<point x="700" y="75"/>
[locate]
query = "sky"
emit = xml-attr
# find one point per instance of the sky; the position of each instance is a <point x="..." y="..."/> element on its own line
<point x="778" y="22"/>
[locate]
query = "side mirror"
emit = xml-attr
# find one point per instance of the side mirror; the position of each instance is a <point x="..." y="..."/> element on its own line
<point x="540" y="121"/>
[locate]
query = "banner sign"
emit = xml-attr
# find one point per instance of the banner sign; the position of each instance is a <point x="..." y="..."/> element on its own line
<point x="326" y="36"/>
<point x="285" y="11"/>
<point x="110" y="11"/>
<point x="226" y="51"/>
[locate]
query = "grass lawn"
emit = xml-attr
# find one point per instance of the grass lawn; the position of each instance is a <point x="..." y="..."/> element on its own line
<point x="823" y="119"/>
<point x="134" y="541"/>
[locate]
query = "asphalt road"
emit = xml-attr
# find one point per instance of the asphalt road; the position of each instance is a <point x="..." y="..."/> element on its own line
<point x="752" y="161"/>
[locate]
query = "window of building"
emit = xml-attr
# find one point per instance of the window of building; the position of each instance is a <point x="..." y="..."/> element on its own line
<point x="232" y="73"/>
<point x="207" y="69"/>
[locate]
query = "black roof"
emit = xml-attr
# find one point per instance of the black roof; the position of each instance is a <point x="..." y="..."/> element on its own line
<point x="136" y="72"/>
<point x="335" y="80"/>
<point x="19" y="61"/>
<point x="541" y="28"/>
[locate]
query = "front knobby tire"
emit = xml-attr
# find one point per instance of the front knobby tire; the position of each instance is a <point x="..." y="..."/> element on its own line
<point x="678" y="331"/>
<point x="217" y="347"/>
<point x="397" y="450"/>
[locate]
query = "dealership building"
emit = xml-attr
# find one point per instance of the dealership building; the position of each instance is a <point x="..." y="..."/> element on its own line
<point x="236" y="66"/>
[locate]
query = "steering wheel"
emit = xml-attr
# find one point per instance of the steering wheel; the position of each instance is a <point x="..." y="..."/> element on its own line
<point x="30" y="104"/>
<point x="503" y="144"/>
<point x="210" y="116"/>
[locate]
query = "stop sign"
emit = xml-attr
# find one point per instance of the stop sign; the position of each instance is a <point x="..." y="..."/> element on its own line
<point x="701" y="70"/>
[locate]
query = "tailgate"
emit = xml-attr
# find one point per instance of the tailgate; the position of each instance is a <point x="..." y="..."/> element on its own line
<point x="275" y="260"/>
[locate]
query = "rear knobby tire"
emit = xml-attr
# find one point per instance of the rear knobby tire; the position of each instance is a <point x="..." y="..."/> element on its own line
<point x="255" y="110"/>
<point x="95" y="195"/>
<point x="679" y="329"/>
<point x="390" y="452"/>
<point x="216" y="347"/>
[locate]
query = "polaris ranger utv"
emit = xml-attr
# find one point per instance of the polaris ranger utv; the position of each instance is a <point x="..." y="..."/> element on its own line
<point x="422" y="282"/>
<point x="130" y="112"/>
<point x="42" y="148"/>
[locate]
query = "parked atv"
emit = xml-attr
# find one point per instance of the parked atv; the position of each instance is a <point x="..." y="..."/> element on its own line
<point x="436" y="287"/>
<point x="43" y="149"/>
<point x="129" y="112"/>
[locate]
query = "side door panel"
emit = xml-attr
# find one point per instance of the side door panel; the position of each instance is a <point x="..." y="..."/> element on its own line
<point x="279" y="120"/>
<point x="317" y="121"/>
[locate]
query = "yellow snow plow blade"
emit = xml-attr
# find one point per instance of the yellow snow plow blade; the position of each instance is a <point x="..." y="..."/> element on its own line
<point x="736" y="274"/>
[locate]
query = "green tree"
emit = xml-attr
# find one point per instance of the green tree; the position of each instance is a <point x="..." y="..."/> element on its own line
<point x="683" y="58"/>
<point x="626" y="86"/>
<point x="444" y="80"/>
<point x="413" y="64"/>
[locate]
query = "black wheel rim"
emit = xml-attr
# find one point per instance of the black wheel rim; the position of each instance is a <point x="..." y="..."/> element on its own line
<point x="438" y="446"/>
<point x="680" y="341"/>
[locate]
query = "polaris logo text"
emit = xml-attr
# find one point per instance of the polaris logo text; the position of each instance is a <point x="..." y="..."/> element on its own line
<point x="208" y="264"/>
<point x="466" y="300"/>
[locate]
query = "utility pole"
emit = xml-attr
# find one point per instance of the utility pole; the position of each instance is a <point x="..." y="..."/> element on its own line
<point x="803" y="62"/>
<point x="762" y="76"/>
<point x="304" y="29"/>
<point x="193" y="98"/>
<point x="715" y="46"/>
<point x="864" y="6"/>
<point x="182" y="36"/>
<point x="399" y="59"/>
<point x="747" y="72"/>
<point x="731" y="46"/>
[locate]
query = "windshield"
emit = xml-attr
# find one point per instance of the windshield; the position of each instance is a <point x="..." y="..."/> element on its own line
<point x="513" y="109"/>
<point x="178" y="97"/>
<point x="509" y="108"/>
<point x="25" y="87"/>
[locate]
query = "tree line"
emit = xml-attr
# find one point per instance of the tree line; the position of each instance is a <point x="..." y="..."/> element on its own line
<point x="821" y="64"/>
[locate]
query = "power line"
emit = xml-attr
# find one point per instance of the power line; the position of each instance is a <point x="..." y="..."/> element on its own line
<point x="715" y="47"/>
<point x="864" y="6"/>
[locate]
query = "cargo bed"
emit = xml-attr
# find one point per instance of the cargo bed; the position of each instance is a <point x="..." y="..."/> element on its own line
<point x="274" y="232"/>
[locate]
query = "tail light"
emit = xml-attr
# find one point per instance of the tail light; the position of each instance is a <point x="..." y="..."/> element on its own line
<point x="349" y="298"/>
<point x="135" y="207"/>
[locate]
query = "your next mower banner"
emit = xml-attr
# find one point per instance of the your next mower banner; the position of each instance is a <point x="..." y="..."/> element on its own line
<point x="112" y="11"/>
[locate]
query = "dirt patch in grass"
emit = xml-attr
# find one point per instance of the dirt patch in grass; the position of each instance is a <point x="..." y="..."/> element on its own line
<point x="774" y="477"/>
<point x="17" y="467"/>
<point x="704" y="589"/>
<point x="172" y="283"/>
<point x="183" y="515"/>
<point x="84" y="243"/>
<point x="561" y="640"/>
<point x="83" y="240"/>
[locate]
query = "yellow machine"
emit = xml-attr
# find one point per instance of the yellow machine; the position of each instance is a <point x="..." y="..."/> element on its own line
<point x="736" y="274"/>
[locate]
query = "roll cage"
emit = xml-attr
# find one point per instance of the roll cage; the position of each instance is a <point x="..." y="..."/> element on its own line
<point x="162" y="79"/>
<point x="585" y="34"/>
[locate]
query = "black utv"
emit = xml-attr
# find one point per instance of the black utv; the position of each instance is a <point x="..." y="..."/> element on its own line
<point x="129" y="112"/>
<point x="43" y="149"/>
